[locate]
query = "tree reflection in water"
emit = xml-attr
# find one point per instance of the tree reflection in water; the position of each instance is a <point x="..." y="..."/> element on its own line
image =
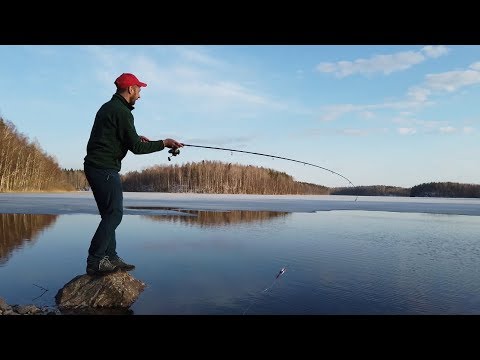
<point x="16" y="230"/>
<point x="205" y="218"/>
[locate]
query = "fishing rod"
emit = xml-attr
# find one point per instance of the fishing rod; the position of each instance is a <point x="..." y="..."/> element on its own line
<point x="176" y="151"/>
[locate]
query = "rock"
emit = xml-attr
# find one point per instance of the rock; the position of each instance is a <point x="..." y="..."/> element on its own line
<point x="29" y="309"/>
<point x="26" y="309"/>
<point x="115" y="291"/>
<point x="3" y="305"/>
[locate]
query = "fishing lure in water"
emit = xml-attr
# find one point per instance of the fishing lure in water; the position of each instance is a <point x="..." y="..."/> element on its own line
<point x="281" y="272"/>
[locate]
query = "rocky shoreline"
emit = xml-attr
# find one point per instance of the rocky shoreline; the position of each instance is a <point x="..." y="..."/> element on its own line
<point x="111" y="294"/>
<point x="30" y="309"/>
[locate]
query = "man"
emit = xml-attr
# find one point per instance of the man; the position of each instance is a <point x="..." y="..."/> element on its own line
<point x="113" y="134"/>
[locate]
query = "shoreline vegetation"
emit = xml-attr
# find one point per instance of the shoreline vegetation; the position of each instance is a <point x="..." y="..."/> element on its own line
<point x="26" y="167"/>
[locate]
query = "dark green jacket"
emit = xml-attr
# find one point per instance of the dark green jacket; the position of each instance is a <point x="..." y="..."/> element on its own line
<point x="113" y="134"/>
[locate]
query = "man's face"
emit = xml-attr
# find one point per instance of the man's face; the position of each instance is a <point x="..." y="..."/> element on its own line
<point x="134" y="92"/>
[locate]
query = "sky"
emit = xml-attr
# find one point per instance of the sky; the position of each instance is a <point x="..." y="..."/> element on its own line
<point x="397" y="115"/>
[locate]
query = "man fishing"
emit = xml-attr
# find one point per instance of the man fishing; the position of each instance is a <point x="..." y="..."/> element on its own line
<point x="113" y="134"/>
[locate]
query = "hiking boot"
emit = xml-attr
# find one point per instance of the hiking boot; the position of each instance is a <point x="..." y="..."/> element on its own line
<point x="121" y="264"/>
<point x="103" y="267"/>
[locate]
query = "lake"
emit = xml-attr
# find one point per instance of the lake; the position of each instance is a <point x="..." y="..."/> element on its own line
<point x="197" y="257"/>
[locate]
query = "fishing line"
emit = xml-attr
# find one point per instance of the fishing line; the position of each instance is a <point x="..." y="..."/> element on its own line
<point x="176" y="151"/>
<point x="281" y="272"/>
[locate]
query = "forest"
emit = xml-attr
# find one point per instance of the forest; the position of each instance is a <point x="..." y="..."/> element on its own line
<point x="26" y="167"/>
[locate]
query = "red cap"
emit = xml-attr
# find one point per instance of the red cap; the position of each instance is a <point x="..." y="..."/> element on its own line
<point x="126" y="79"/>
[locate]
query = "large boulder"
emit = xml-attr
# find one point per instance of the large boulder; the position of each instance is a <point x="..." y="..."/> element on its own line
<point x="113" y="292"/>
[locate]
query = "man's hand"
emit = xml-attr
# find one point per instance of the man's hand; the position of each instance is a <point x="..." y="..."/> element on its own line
<point x="144" y="139"/>
<point x="170" y="143"/>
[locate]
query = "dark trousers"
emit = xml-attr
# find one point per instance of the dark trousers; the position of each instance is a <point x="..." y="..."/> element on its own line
<point x="108" y="193"/>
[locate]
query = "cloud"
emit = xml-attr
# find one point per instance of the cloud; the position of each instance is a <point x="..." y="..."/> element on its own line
<point x="332" y="112"/>
<point x="475" y="66"/>
<point x="446" y="82"/>
<point x="346" y="131"/>
<point x="447" y="130"/>
<point x="354" y="132"/>
<point x="468" y="130"/>
<point x="239" y="141"/>
<point x="367" y="114"/>
<point x="197" y="55"/>
<point x="409" y="122"/>
<point x="435" y="51"/>
<point x="222" y="90"/>
<point x="385" y="64"/>
<point x="452" y="80"/>
<point x="406" y="131"/>
<point x="417" y="96"/>
<point x="185" y="77"/>
<point x="361" y="132"/>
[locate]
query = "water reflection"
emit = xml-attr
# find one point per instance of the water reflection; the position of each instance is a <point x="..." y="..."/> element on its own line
<point x="19" y="229"/>
<point x="209" y="218"/>
<point x="220" y="263"/>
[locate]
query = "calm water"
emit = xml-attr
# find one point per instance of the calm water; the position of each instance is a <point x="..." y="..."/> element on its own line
<point x="338" y="262"/>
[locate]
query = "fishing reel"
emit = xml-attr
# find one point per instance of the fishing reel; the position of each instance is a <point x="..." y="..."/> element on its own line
<point x="174" y="152"/>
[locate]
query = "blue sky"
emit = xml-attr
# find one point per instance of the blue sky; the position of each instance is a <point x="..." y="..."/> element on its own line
<point x="378" y="115"/>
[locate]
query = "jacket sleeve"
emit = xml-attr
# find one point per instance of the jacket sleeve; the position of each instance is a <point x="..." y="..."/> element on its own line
<point x="131" y="139"/>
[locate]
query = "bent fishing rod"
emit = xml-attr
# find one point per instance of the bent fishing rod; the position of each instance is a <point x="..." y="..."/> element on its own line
<point x="176" y="151"/>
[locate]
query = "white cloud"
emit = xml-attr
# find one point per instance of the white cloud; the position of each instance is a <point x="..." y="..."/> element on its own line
<point x="425" y="124"/>
<point x="198" y="55"/>
<point x="475" y="66"/>
<point x="362" y="132"/>
<point x="468" y="130"/>
<point x="367" y="114"/>
<point x="239" y="141"/>
<point x="385" y="64"/>
<point x="406" y="131"/>
<point x="418" y="94"/>
<point x="452" y="80"/>
<point x="355" y="132"/>
<point x="435" y="51"/>
<point x="333" y="112"/>
<point x="400" y="120"/>
<point x="448" y="81"/>
<point x="224" y="90"/>
<point x="447" y="130"/>
<point x="326" y="67"/>
<point x="184" y="78"/>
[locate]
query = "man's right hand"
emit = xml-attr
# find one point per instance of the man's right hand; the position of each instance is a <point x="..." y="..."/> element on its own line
<point x="170" y="143"/>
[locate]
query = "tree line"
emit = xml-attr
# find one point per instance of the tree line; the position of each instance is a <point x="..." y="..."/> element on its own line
<point x="446" y="189"/>
<point x="433" y="189"/>
<point x="215" y="177"/>
<point x="371" y="190"/>
<point x="24" y="166"/>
